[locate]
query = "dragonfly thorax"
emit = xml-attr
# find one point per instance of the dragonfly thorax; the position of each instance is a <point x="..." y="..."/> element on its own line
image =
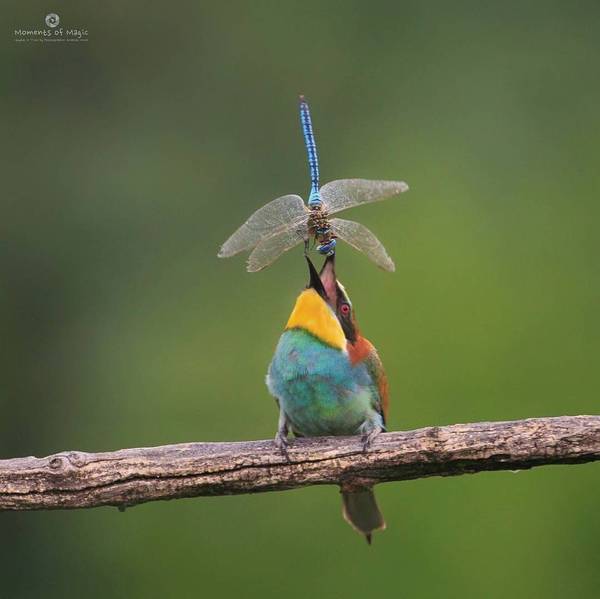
<point x="320" y="227"/>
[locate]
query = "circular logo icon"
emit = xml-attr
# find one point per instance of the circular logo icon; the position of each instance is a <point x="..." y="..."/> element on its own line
<point x="52" y="20"/>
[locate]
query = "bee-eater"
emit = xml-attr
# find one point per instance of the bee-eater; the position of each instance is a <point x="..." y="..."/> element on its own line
<point x="328" y="380"/>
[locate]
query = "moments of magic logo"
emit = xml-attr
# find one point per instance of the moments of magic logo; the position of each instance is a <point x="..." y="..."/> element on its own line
<point x="53" y="33"/>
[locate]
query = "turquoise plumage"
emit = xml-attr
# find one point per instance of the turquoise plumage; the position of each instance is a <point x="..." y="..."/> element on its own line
<point x="319" y="389"/>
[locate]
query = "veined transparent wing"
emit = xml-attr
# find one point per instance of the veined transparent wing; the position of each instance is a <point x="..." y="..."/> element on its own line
<point x="361" y="239"/>
<point x="346" y="193"/>
<point x="278" y="215"/>
<point x="270" y="248"/>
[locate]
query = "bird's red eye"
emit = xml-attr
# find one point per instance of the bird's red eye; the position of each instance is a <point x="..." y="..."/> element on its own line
<point x="345" y="309"/>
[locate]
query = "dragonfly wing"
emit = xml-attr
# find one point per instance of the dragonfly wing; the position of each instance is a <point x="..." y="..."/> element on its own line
<point x="271" y="219"/>
<point x="361" y="239"/>
<point x="270" y="248"/>
<point x="346" y="193"/>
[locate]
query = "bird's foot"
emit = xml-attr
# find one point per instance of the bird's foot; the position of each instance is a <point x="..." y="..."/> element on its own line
<point x="282" y="443"/>
<point x="368" y="438"/>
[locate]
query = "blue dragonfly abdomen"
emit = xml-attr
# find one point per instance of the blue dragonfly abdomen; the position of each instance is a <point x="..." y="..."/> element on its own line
<point x="314" y="199"/>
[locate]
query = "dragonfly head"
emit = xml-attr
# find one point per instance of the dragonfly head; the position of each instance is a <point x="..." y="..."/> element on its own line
<point x="334" y="294"/>
<point x="327" y="248"/>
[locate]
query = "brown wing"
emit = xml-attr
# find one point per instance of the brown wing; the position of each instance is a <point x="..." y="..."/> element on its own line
<point x="363" y="351"/>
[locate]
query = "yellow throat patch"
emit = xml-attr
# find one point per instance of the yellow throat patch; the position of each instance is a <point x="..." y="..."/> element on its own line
<point x="312" y="314"/>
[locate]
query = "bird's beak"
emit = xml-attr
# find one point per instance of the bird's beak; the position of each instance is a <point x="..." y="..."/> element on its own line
<point x="329" y="280"/>
<point x="315" y="281"/>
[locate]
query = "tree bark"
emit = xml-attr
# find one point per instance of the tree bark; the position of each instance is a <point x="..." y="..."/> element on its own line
<point x="126" y="477"/>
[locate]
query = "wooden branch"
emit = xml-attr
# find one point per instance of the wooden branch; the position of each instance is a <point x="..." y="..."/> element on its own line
<point x="127" y="477"/>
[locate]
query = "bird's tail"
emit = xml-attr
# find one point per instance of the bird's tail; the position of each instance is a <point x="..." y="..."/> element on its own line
<point x="361" y="511"/>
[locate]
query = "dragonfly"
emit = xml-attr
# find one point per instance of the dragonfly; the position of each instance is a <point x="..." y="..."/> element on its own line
<point x="287" y="221"/>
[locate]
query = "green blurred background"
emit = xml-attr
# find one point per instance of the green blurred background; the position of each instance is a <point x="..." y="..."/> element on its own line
<point x="129" y="159"/>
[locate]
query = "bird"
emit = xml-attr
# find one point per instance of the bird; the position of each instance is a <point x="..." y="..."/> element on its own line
<point x="327" y="379"/>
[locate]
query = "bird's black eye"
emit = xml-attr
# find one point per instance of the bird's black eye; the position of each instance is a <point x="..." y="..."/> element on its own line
<point x="345" y="309"/>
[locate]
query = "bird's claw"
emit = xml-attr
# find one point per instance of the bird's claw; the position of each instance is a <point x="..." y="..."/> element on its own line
<point x="368" y="438"/>
<point x="282" y="443"/>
